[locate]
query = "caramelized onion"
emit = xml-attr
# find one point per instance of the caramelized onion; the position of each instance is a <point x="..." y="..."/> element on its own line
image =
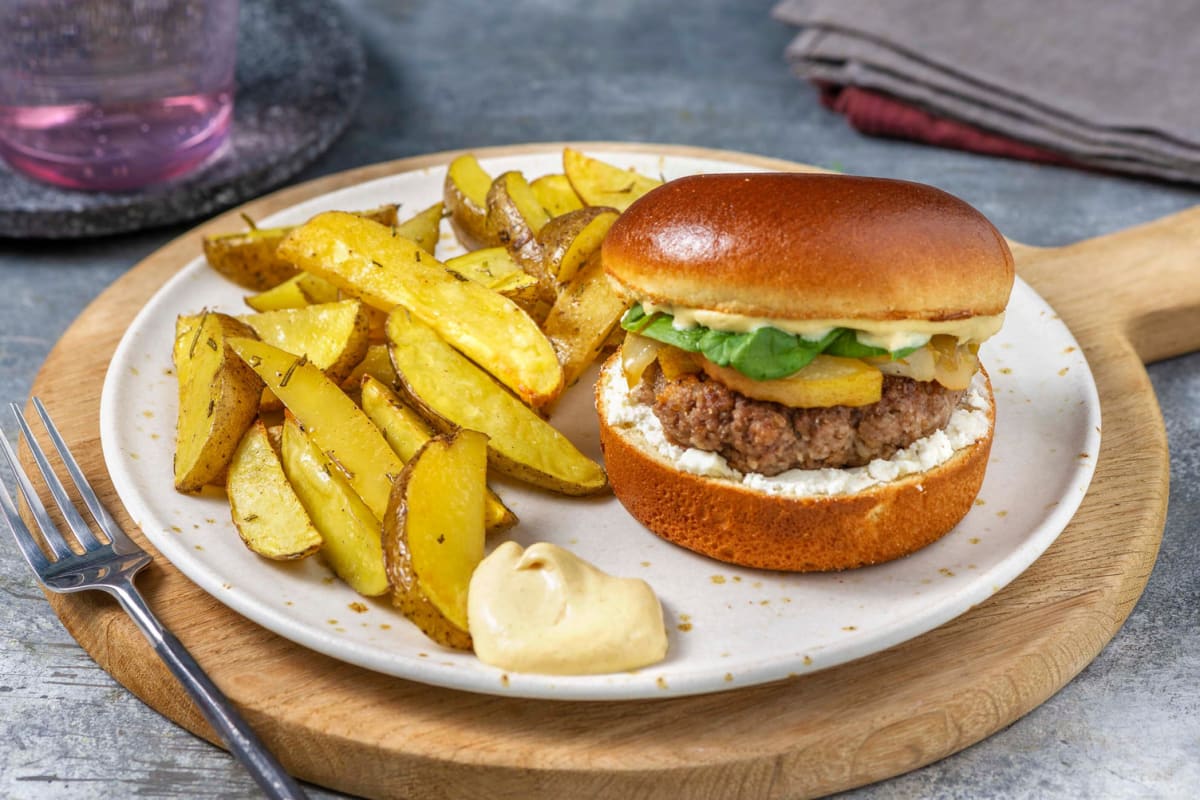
<point x="955" y="364"/>
<point x="942" y="360"/>
<point x="637" y="353"/>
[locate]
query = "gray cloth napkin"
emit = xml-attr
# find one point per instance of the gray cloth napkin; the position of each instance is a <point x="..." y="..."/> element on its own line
<point x="1115" y="85"/>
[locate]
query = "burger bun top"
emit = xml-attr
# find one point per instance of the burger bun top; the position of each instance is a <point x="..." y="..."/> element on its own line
<point x="800" y="246"/>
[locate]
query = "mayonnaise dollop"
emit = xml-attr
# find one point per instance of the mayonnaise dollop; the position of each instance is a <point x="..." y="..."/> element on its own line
<point x="543" y="609"/>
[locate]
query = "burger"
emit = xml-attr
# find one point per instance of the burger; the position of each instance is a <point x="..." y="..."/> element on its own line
<point x="798" y="388"/>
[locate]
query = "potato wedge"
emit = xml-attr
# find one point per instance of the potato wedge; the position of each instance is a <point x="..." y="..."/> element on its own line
<point x="266" y="511"/>
<point x="300" y="290"/>
<point x="349" y="440"/>
<point x="248" y="257"/>
<point x="465" y="195"/>
<point x="352" y="536"/>
<point x="451" y="391"/>
<point x="490" y="266"/>
<point x="433" y="534"/>
<point x="287" y="294"/>
<point x="570" y="240"/>
<point x="585" y="313"/>
<point x="555" y="194"/>
<point x="367" y="261"/>
<point x="601" y="184"/>
<point x="332" y="335"/>
<point x="376" y="324"/>
<point x="407" y="432"/>
<point x="317" y="289"/>
<point x="218" y="398"/>
<point x="376" y="363"/>
<point x="423" y="228"/>
<point x="496" y="269"/>
<point x="515" y="216"/>
<point x="386" y="214"/>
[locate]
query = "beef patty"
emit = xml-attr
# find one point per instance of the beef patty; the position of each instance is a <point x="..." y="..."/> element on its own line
<point x="770" y="438"/>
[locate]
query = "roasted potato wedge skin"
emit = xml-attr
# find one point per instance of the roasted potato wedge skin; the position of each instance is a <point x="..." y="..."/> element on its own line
<point x="599" y="183"/>
<point x="570" y="240"/>
<point x="218" y="398"/>
<point x="465" y="196"/>
<point x="452" y="392"/>
<point x="349" y="440"/>
<point x="332" y="335"/>
<point x="407" y="432"/>
<point x="433" y="534"/>
<point x="424" y="228"/>
<point x="352" y="535"/>
<point x="265" y="509"/>
<point x="555" y="194"/>
<point x="248" y="258"/>
<point x="367" y="261"/>
<point x="581" y="319"/>
<point x="515" y="216"/>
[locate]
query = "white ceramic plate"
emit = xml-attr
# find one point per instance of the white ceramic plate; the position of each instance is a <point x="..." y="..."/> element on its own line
<point x="728" y="627"/>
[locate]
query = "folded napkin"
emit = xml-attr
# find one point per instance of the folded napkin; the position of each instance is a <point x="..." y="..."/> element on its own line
<point x="1108" y="85"/>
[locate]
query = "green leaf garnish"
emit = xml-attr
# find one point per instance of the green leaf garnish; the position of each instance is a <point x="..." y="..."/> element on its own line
<point x="847" y="345"/>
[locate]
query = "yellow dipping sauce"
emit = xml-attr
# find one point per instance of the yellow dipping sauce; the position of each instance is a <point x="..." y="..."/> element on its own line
<point x="544" y="609"/>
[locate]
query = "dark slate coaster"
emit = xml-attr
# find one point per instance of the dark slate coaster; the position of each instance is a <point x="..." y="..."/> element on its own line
<point x="300" y="74"/>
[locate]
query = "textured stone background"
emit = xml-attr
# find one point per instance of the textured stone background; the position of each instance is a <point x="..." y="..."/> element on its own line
<point x="441" y="77"/>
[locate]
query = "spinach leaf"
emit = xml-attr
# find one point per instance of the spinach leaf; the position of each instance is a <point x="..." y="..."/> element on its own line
<point x="847" y="345"/>
<point x="763" y="354"/>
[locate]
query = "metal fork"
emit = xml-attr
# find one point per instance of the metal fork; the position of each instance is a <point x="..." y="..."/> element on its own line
<point x="110" y="566"/>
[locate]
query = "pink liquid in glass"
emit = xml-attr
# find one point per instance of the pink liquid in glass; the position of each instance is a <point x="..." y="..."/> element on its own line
<point x="115" y="94"/>
<point x="87" y="146"/>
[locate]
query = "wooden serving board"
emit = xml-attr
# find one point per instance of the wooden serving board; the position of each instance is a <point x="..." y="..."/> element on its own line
<point x="344" y="727"/>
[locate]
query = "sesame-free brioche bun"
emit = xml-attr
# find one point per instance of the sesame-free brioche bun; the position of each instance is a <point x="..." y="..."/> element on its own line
<point x="726" y="520"/>
<point x="800" y="246"/>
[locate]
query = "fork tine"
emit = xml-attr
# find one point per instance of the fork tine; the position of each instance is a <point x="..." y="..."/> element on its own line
<point x="111" y="529"/>
<point x="49" y="530"/>
<point x="29" y="548"/>
<point x="71" y="516"/>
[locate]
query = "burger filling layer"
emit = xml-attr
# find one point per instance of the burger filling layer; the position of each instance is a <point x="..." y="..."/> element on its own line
<point x="968" y="423"/>
<point x="763" y="349"/>
<point x="769" y="438"/>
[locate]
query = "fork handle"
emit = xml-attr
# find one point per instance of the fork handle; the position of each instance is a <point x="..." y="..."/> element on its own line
<point x="212" y="702"/>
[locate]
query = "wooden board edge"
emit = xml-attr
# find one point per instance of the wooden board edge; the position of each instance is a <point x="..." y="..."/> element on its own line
<point x="1150" y="524"/>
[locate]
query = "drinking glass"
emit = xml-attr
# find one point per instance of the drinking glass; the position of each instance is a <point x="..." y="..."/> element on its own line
<point x="114" y="94"/>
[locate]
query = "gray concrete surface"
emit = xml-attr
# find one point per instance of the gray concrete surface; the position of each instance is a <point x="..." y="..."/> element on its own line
<point x="447" y="75"/>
